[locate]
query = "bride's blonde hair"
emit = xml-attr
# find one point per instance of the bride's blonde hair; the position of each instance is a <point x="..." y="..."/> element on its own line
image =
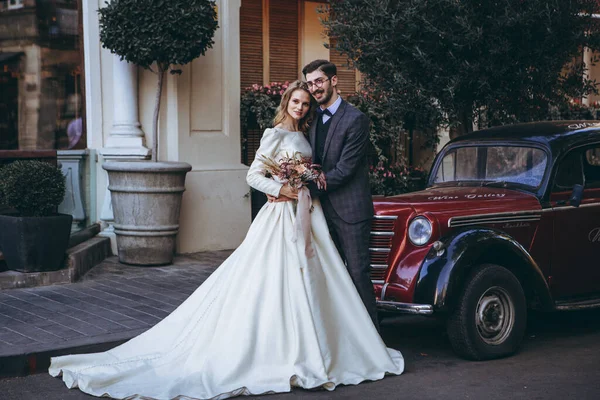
<point x="281" y="112"/>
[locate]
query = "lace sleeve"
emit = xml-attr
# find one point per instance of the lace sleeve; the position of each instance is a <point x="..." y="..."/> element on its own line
<point x="269" y="145"/>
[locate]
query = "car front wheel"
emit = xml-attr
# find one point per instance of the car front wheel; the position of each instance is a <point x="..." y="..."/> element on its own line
<point x="490" y="316"/>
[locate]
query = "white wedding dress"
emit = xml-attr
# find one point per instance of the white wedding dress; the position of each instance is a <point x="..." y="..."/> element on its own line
<point x="266" y="320"/>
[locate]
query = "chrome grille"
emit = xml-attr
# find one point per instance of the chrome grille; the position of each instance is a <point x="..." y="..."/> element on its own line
<point x="380" y="245"/>
<point x="496" y="218"/>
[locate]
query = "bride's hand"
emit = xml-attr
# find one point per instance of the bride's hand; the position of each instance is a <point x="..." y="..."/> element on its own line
<point x="321" y="182"/>
<point x="280" y="199"/>
<point x="289" y="192"/>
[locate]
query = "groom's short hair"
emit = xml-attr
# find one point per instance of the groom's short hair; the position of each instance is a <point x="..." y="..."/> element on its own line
<point x="326" y="66"/>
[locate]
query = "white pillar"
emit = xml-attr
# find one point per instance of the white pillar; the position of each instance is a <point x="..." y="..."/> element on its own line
<point x="126" y="140"/>
<point x="126" y="133"/>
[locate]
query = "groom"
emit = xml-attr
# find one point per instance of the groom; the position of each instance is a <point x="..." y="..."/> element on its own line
<point x="339" y="138"/>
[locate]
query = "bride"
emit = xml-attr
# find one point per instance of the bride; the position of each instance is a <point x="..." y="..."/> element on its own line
<point x="269" y="318"/>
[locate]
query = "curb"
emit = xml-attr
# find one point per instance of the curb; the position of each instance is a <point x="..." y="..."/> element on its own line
<point x="38" y="360"/>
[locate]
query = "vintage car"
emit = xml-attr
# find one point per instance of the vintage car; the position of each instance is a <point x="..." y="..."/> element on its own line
<point x="509" y="221"/>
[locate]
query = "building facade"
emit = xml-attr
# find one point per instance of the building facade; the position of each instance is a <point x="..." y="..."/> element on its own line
<point x="59" y="89"/>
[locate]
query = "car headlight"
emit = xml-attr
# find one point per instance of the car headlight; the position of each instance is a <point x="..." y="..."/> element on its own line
<point x="419" y="231"/>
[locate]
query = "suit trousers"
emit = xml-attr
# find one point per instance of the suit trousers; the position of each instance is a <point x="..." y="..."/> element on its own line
<point x="352" y="242"/>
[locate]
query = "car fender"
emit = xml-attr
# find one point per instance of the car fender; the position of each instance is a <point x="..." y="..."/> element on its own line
<point x="448" y="262"/>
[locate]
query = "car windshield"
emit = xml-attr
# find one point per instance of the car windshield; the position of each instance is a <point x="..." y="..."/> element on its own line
<point x="493" y="164"/>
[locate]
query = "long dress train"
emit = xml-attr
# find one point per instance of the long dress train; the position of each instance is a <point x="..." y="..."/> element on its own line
<point x="266" y="320"/>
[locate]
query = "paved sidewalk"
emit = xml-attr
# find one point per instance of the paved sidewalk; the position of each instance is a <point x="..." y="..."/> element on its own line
<point x="111" y="304"/>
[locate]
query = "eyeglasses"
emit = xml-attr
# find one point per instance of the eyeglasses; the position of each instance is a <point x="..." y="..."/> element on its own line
<point x="318" y="83"/>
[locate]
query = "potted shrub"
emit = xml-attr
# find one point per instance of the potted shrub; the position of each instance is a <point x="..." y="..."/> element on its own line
<point x="33" y="237"/>
<point x="146" y="196"/>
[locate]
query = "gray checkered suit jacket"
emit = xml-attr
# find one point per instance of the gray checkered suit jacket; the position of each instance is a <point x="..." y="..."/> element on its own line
<point x="345" y="164"/>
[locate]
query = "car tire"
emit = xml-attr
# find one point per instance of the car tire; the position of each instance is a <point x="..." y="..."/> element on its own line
<point x="490" y="316"/>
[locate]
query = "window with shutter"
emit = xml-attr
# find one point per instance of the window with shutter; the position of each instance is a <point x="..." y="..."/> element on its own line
<point x="346" y="75"/>
<point x="251" y="43"/>
<point x="283" y="40"/>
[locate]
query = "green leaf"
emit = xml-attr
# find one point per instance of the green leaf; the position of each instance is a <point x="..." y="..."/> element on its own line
<point x="147" y="32"/>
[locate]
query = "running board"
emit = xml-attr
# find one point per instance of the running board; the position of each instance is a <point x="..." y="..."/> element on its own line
<point x="578" y="304"/>
<point x="405" y="308"/>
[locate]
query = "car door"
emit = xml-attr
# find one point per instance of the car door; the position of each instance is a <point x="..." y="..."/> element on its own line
<point x="575" y="266"/>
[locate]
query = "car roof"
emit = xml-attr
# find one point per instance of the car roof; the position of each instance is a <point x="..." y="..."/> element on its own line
<point x="555" y="135"/>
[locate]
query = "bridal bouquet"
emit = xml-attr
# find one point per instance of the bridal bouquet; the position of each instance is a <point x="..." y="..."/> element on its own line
<point x="295" y="170"/>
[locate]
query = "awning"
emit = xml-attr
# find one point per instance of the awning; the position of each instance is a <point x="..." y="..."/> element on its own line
<point x="7" y="57"/>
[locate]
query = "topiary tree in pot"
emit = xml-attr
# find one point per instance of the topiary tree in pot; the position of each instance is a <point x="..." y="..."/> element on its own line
<point x="146" y="197"/>
<point x="33" y="237"/>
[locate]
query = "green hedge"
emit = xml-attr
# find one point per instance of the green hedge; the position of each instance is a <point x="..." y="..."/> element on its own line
<point x="33" y="188"/>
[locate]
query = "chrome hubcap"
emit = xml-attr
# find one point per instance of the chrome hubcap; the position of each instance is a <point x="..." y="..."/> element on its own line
<point x="495" y="315"/>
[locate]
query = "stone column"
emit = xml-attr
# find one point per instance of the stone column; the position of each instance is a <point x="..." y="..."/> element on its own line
<point x="126" y="134"/>
<point x="126" y="140"/>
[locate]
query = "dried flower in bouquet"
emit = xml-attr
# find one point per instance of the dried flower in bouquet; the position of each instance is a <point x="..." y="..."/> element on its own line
<point x="295" y="170"/>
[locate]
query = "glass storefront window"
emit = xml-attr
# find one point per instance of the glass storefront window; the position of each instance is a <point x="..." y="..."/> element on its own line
<point x="41" y="93"/>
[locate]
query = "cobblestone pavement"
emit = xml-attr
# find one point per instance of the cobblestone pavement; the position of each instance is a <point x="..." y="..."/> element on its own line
<point x="112" y="302"/>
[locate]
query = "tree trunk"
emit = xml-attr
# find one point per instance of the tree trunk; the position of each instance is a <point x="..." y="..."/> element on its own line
<point x="464" y="126"/>
<point x="409" y="124"/>
<point x="161" y="73"/>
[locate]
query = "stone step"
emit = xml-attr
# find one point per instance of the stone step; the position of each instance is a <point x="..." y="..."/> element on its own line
<point x="78" y="260"/>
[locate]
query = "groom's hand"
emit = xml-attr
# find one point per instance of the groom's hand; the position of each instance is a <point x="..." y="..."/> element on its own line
<point x="314" y="189"/>
<point x="321" y="181"/>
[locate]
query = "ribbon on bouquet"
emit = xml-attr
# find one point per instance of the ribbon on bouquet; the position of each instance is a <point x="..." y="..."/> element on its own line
<point x="303" y="221"/>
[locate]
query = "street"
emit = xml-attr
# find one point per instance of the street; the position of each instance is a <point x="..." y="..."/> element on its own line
<point x="559" y="359"/>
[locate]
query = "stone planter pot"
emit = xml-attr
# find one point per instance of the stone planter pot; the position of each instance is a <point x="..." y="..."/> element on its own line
<point x="146" y="200"/>
<point x="35" y="244"/>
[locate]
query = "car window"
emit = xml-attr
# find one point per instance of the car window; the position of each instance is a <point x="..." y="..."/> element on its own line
<point x="458" y="165"/>
<point x="445" y="172"/>
<point x="514" y="164"/>
<point x="569" y="172"/>
<point x="591" y="167"/>
<point x="522" y="165"/>
<point x="466" y="164"/>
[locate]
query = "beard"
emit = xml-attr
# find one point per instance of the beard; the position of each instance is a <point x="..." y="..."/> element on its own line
<point x="326" y="95"/>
